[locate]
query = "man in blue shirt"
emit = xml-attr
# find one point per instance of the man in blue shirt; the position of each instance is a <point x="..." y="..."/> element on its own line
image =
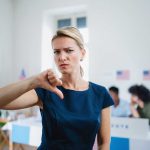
<point x="121" y="108"/>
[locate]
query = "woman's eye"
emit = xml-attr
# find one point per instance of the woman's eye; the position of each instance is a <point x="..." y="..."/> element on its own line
<point x="69" y="50"/>
<point x="56" y="52"/>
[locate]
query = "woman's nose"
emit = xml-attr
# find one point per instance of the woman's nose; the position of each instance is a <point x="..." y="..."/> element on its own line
<point x="62" y="56"/>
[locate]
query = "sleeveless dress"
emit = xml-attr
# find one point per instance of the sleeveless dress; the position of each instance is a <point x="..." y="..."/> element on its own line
<point x="72" y="123"/>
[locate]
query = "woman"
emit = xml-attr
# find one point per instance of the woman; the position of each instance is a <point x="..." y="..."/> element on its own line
<point x="140" y="101"/>
<point x="73" y="110"/>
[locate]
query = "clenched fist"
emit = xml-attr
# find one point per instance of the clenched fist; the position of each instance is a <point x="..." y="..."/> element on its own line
<point x="48" y="80"/>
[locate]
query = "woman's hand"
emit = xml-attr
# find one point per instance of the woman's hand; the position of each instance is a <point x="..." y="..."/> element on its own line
<point x="21" y="94"/>
<point x="48" y="80"/>
<point x="133" y="108"/>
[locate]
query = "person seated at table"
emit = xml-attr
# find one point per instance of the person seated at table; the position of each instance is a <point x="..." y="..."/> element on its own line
<point x="140" y="101"/>
<point x="121" y="108"/>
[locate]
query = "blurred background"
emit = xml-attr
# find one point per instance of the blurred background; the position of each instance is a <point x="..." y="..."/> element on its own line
<point x="116" y="34"/>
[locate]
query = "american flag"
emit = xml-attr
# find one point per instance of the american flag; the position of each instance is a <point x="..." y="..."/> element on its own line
<point x="146" y="75"/>
<point x="22" y="75"/>
<point x="122" y="75"/>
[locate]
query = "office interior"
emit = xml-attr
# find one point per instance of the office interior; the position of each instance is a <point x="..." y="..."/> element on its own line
<point x="117" y="39"/>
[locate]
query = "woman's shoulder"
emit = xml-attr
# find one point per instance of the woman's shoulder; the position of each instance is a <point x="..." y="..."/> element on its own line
<point x="98" y="88"/>
<point x="102" y="94"/>
<point x="41" y="92"/>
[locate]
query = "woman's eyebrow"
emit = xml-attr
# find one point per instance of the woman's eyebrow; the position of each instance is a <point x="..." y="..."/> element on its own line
<point x="56" y="49"/>
<point x="66" y="48"/>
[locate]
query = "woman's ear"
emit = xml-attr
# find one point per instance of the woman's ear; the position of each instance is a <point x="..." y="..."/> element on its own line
<point x="83" y="52"/>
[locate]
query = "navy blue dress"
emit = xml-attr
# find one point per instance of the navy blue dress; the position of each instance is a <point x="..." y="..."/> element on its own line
<point x="72" y="123"/>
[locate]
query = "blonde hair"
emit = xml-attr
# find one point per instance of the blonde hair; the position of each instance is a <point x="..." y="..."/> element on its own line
<point x="73" y="33"/>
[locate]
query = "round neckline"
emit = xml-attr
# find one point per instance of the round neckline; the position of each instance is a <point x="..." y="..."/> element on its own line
<point x="71" y="90"/>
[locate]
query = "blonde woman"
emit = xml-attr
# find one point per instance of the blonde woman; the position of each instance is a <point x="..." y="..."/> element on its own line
<point x="73" y="110"/>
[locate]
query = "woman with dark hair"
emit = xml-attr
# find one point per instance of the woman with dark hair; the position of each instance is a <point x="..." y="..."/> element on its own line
<point x="140" y="101"/>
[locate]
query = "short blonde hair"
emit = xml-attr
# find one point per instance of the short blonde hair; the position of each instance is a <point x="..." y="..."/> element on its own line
<point x="71" y="32"/>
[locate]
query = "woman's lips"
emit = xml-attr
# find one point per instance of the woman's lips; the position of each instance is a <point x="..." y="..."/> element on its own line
<point x="63" y="65"/>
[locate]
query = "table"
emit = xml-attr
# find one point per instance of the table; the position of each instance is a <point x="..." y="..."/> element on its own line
<point x="130" y="134"/>
<point x="127" y="133"/>
<point x="25" y="131"/>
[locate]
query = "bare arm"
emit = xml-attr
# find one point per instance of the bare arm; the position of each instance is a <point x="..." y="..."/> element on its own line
<point x="18" y="95"/>
<point x="103" y="138"/>
<point x="134" y="111"/>
<point x="21" y="94"/>
<point x="26" y="100"/>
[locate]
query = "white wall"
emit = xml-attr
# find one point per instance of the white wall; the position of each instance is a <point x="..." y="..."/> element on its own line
<point x="6" y="46"/>
<point x="119" y="37"/>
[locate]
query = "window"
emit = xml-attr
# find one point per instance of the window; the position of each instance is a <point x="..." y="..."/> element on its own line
<point x="81" y="22"/>
<point x="63" y="22"/>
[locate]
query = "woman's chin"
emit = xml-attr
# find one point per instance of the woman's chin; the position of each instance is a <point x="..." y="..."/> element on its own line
<point x="64" y="72"/>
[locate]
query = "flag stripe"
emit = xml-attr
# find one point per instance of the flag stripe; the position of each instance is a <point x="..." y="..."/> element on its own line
<point x="146" y="75"/>
<point x="122" y="75"/>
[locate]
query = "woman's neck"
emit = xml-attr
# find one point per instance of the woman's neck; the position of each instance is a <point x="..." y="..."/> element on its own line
<point x="74" y="81"/>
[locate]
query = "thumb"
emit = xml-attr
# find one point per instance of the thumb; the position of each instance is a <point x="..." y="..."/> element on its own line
<point x="53" y="89"/>
<point x="59" y="82"/>
<point x="58" y="92"/>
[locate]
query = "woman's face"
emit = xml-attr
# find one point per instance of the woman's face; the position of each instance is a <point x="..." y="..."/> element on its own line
<point x="67" y="55"/>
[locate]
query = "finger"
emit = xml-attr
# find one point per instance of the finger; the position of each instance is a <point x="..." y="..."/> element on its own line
<point x="50" y="73"/>
<point x="58" y="92"/>
<point x="55" y="82"/>
<point x="52" y="77"/>
<point x="59" y="82"/>
<point x="52" y="80"/>
<point x="53" y="89"/>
